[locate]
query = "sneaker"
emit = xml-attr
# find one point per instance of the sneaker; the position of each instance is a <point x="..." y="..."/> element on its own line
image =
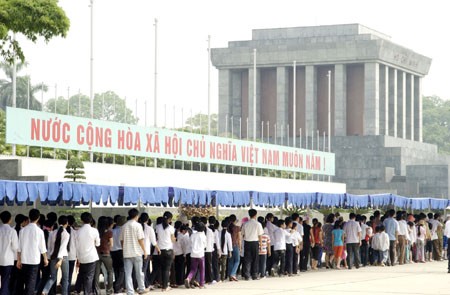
<point x="145" y="291"/>
<point x="213" y="282"/>
<point x="186" y="284"/>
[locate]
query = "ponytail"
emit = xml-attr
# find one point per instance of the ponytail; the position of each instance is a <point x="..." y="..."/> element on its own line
<point x="57" y="243"/>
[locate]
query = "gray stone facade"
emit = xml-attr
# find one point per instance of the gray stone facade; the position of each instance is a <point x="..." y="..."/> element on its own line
<point x="375" y="94"/>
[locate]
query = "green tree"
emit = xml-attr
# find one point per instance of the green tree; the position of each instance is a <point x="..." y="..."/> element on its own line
<point x="74" y="169"/>
<point x="436" y="122"/>
<point x="107" y="106"/>
<point x="23" y="83"/>
<point x="33" y="19"/>
<point x="199" y="124"/>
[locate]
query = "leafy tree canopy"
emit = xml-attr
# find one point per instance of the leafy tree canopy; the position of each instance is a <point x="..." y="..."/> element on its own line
<point x="33" y="19"/>
<point x="436" y="122"/>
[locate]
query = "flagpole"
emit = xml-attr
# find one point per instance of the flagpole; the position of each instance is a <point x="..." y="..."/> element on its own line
<point x="155" y="107"/>
<point x="28" y="107"/>
<point x="209" y="92"/>
<point x="14" y="90"/>
<point x="294" y="103"/>
<point x="91" y="88"/>
<point x="56" y="97"/>
<point x="254" y="100"/>
<point x="68" y="113"/>
<point x="42" y="103"/>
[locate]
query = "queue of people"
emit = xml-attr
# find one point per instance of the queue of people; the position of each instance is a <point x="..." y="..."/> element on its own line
<point x="136" y="257"/>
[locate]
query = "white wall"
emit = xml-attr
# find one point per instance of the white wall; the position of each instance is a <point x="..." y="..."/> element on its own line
<point x="109" y="174"/>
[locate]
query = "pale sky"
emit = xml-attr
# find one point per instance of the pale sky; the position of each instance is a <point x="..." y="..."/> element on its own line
<point x="124" y="43"/>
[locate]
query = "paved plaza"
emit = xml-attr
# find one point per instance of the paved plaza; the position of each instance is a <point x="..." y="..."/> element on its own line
<point x="427" y="278"/>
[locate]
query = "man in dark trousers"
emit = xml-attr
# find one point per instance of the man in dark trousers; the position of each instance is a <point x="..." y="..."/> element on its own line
<point x="305" y="253"/>
<point x="252" y="232"/>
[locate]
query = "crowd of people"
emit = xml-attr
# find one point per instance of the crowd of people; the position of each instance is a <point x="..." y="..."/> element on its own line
<point x="135" y="256"/>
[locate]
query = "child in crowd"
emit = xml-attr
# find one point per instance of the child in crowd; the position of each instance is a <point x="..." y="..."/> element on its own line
<point x="198" y="245"/>
<point x="420" y="242"/>
<point x="226" y="248"/>
<point x="337" y="240"/>
<point x="264" y="251"/>
<point x="380" y="245"/>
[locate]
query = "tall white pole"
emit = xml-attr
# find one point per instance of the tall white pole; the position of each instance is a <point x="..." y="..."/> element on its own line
<point x="262" y="131"/>
<point x="254" y="100"/>
<point x="68" y="101"/>
<point x="329" y="116"/>
<point x="28" y="107"/>
<point x="232" y="127"/>
<point x="79" y="103"/>
<point x="155" y="122"/>
<point x="56" y="98"/>
<point x="91" y="88"/>
<point x="145" y="113"/>
<point x="209" y="92"/>
<point x="14" y="93"/>
<point x="209" y="86"/>
<point x="68" y="113"/>
<point x="294" y="102"/>
<point x="268" y="131"/>
<point x="226" y="125"/>
<point x="254" y="94"/>
<point x="42" y="104"/>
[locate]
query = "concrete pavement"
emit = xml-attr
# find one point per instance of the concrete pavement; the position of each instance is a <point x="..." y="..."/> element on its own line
<point x="423" y="278"/>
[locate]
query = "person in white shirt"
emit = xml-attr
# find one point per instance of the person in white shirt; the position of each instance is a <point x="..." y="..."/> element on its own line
<point x="132" y="239"/>
<point x="380" y="245"/>
<point x="166" y="237"/>
<point x="225" y="248"/>
<point x="179" y="250"/>
<point x="270" y="228"/>
<point x="352" y="231"/>
<point x="117" y="255"/>
<point x="58" y="250"/>
<point x="402" y="237"/>
<point x="198" y="244"/>
<point x="31" y="246"/>
<point x="252" y="232"/>
<point x="88" y="239"/>
<point x="446" y="238"/>
<point x="149" y="241"/>
<point x="297" y="243"/>
<point x="9" y="244"/>
<point x="72" y="248"/>
<point x="279" y="247"/>
<point x="210" y="240"/>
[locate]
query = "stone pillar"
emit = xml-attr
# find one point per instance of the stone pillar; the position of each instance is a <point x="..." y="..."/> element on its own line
<point x="418" y="108"/>
<point x="224" y="98"/>
<point x="401" y="104"/>
<point x="250" y="103"/>
<point x="311" y="98"/>
<point x="340" y="100"/>
<point x="392" y="78"/>
<point x="282" y="97"/>
<point x="236" y="101"/>
<point x="371" y="99"/>
<point x="384" y="100"/>
<point x="409" y="106"/>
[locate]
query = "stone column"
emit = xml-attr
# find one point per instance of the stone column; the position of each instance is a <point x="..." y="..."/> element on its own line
<point x="384" y="100"/>
<point x="224" y="98"/>
<point x="250" y="102"/>
<point x="236" y="101"/>
<point x="311" y="98"/>
<point x="418" y="108"/>
<point x="371" y="99"/>
<point x="392" y="78"/>
<point x="409" y="106"/>
<point x="340" y="100"/>
<point x="282" y="97"/>
<point x="401" y="104"/>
